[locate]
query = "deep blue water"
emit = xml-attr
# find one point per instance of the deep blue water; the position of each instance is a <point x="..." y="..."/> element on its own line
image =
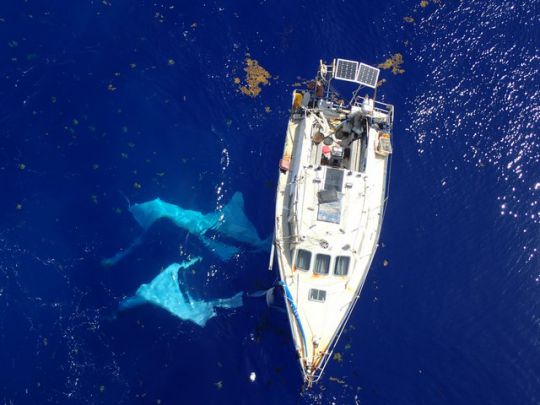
<point x="97" y="96"/>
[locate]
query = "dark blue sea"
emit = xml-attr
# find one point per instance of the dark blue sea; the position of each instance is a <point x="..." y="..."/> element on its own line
<point x="109" y="103"/>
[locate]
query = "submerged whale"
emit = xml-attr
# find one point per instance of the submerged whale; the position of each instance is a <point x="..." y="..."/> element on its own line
<point x="230" y="222"/>
<point x="167" y="292"/>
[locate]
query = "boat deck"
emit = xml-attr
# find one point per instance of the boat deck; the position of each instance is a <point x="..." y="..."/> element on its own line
<point x="346" y="227"/>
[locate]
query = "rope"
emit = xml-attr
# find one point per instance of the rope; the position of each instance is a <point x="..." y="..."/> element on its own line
<point x="290" y="300"/>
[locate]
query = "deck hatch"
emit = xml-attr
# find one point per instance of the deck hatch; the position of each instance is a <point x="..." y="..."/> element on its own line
<point x="317" y="295"/>
<point x="333" y="180"/>
<point x="330" y="208"/>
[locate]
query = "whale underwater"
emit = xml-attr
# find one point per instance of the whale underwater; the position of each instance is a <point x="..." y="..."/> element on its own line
<point x="231" y="222"/>
<point x="167" y="290"/>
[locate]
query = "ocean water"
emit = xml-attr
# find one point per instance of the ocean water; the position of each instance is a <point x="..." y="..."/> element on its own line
<point x="115" y="102"/>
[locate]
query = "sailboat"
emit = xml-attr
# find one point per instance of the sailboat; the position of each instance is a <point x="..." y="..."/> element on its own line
<point x="330" y="203"/>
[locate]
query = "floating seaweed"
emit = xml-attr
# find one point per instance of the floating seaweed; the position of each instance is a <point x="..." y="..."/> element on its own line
<point x="337" y="380"/>
<point x="394" y="62"/>
<point x="256" y="76"/>
<point x="338" y="357"/>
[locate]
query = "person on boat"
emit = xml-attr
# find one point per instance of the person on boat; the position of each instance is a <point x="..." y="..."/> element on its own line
<point x="326" y="155"/>
<point x="317" y="87"/>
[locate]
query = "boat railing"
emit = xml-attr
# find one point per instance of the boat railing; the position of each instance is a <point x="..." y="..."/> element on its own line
<point x="325" y="77"/>
<point x="380" y="107"/>
<point x="332" y="101"/>
<point x="316" y="375"/>
<point x="293" y="210"/>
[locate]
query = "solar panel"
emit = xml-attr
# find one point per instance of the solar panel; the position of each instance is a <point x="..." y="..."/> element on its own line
<point x="360" y="73"/>
<point x="346" y="70"/>
<point x="367" y="75"/>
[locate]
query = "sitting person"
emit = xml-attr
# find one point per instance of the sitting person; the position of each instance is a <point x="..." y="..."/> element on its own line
<point x="326" y="155"/>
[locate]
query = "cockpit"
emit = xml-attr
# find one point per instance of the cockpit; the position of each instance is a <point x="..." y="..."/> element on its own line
<point x="345" y="147"/>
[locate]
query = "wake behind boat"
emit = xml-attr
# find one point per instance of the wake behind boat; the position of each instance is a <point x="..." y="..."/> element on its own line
<point x="330" y="204"/>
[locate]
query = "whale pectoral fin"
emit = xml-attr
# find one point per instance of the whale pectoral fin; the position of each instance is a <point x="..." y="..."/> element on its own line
<point x="258" y="294"/>
<point x="235" y="301"/>
<point x="223" y="251"/>
<point x="234" y="212"/>
<point x="131" y="302"/>
<point x="236" y="225"/>
<point x="111" y="261"/>
<point x="148" y="212"/>
<point x="266" y="244"/>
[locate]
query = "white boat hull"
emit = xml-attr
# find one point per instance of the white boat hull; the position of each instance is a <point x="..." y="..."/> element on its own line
<point x="331" y="237"/>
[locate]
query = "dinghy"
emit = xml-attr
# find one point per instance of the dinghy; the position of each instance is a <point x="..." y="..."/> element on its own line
<point x="330" y="203"/>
